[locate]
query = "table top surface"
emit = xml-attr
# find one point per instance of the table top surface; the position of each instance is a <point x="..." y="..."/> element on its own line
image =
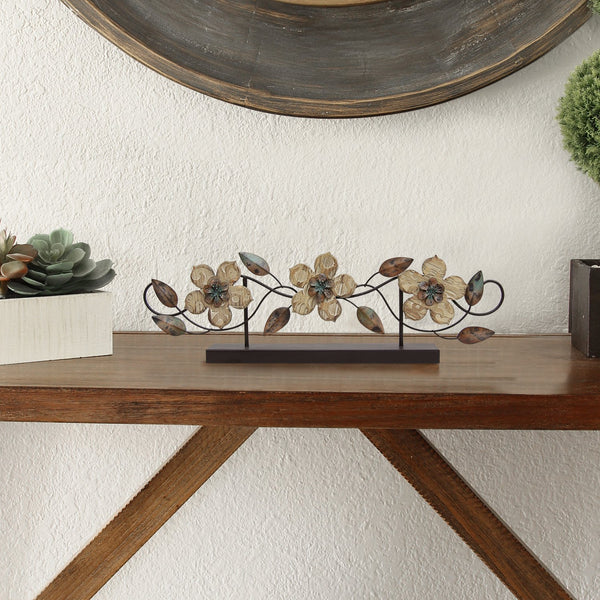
<point x="523" y="382"/>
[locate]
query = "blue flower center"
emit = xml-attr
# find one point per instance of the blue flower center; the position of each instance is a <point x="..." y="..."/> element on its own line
<point x="320" y="286"/>
<point x="431" y="292"/>
<point x="216" y="291"/>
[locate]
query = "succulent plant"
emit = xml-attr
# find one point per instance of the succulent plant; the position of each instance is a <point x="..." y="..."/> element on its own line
<point x="13" y="260"/>
<point x="62" y="267"/>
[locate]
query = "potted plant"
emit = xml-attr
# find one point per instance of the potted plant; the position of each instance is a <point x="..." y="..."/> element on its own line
<point x="579" y="118"/>
<point x="49" y="304"/>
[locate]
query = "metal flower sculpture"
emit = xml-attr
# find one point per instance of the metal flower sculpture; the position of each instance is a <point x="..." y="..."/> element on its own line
<point x="322" y="288"/>
<point x="431" y="292"/>
<point x="217" y="293"/>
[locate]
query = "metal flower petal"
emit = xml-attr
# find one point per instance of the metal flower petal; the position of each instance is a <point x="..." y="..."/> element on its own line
<point x="330" y="310"/>
<point x="326" y="264"/>
<point x="414" y="309"/>
<point x="302" y="303"/>
<point x="343" y="286"/>
<point x="195" y="302"/>
<point x="239" y="296"/>
<point x="219" y="317"/>
<point x="300" y="274"/>
<point x="409" y="281"/>
<point x="442" y="312"/>
<point x="455" y="287"/>
<point x="201" y="274"/>
<point x="228" y="272"/>
<point x="434" y="267"/>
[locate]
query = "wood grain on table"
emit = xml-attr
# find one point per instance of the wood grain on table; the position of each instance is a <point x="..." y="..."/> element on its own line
<point x="531" y="382"/>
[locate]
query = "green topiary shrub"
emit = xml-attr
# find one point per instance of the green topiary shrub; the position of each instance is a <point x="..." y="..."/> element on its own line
<point x="579" y="115"/>
<point x="595" y="6"/>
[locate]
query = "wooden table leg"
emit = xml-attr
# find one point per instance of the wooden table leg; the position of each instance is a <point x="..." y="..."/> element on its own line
<point x="445" y="490"/>
<point x="147" y="512"/>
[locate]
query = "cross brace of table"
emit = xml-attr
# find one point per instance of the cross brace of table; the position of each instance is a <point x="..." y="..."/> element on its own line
<point x="406" y="449"/>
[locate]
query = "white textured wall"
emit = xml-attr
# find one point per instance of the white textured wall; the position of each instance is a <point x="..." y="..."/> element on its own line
<point x="159" y="177"/>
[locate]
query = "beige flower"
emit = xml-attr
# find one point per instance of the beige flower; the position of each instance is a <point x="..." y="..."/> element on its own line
<point x="320" y="287"/>
<point x="217" y="293"/>
<point x="431" y="291"/>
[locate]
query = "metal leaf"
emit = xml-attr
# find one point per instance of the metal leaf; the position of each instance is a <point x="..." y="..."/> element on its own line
<point x="474" y="291"/>
<point x="169" y="324"/>
<point x="370" y="319"/>
<point x="277" y="320"/>
<point x="165" y="293"/>
<point x="394" y="266"/>
<point x="473" y="335"/>
<point x="255" y="264"/>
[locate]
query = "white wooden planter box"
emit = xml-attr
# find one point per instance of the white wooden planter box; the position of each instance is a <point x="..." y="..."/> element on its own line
<point x="54" y="327"/>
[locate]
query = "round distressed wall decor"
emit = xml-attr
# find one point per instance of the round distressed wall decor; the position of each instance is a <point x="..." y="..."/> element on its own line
<point x="334" y="58"/>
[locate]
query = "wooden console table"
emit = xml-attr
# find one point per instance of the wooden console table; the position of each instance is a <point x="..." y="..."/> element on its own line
<point x="505" y="383"/>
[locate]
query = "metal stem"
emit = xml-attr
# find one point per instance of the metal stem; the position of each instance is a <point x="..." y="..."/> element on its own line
<point x="246" y="319"/>
<point x="400" y="320"/>
<point x="369" y="289"/>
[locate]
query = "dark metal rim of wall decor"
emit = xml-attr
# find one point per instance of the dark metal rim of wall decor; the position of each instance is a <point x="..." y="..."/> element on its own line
<point x="334" y="61"/>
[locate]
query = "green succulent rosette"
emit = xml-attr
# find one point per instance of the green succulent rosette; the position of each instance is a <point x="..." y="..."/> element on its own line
<point x="62" y="267"/>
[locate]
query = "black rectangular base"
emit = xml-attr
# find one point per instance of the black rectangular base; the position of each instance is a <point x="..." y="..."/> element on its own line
<point x="323" y="353"/>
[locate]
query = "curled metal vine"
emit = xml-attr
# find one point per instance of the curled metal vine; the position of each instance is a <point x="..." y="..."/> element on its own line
<point x="321" y="288"/>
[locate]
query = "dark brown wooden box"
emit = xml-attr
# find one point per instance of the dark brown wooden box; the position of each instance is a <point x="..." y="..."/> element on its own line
<point x="584" y="306"/>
